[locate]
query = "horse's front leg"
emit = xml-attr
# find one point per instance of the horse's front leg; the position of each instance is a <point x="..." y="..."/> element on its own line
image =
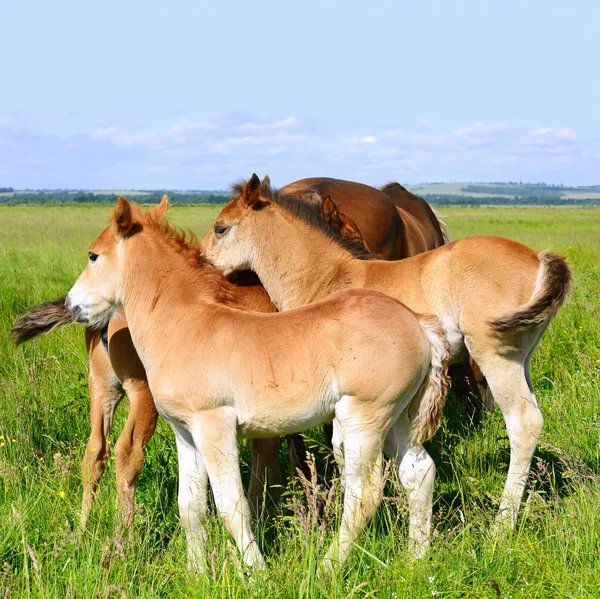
<point x="129" y="450"/>
<point x="105" y="394"/>
<point x="192" y="498"/>
<point x="215" y="436"/>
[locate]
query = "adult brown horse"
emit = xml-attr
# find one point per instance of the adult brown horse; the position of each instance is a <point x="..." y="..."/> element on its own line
<point x="393" y="222"/>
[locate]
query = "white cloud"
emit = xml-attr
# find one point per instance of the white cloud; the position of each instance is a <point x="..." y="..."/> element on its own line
<point x="479" y="129"/>
<point x="215" y="149"/>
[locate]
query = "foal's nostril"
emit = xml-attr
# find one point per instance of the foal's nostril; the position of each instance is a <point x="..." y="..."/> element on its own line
<point x="75" y="311"/>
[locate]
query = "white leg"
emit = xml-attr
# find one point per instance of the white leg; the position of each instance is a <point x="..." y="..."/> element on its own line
<point x="192" y="499"/>
<point x="524" y="422"/>
<point x="337" y="442"/>
<point x="362" y="456"/>
<point x="215" y="437"/>
<point x="417" y="475"/>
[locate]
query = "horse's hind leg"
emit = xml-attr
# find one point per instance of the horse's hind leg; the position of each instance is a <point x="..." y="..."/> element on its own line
<point x="337" y="445"/>
<point x="417" y="475"/>
<point x="363" y="478"/>
<point x="141" y="420"/>
<point x="129" y="450"/>
<point x="508" y="381"/>
<point x="105" y="394"/>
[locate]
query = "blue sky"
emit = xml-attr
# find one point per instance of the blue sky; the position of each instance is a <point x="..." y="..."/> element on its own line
<point x="193" y="95"/>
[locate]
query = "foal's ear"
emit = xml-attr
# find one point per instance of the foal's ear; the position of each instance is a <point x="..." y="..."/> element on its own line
<point x="122" y="217"/>
<point x="266" y="182"/>
<point x="251" y="191"/>
<point x="158" y="212"/>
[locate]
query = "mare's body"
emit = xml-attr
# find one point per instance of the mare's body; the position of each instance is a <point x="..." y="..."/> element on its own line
<point x="393" y="222"/>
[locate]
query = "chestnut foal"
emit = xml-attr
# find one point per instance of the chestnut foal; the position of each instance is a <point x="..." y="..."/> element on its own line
<point x="218" y="373"/>
<point x="114" y="368"/>
<point x="494" y="296"/>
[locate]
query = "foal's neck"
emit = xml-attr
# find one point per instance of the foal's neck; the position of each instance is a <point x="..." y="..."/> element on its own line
<point x="298" y="265"/>
<point x="160" y="288"/>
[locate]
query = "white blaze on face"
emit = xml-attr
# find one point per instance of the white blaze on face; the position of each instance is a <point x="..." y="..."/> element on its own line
<point x="87" y="307"/>
<point x="76" y="303"/>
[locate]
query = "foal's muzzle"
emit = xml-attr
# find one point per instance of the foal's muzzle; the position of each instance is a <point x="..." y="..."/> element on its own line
<point x="75" y="311"/>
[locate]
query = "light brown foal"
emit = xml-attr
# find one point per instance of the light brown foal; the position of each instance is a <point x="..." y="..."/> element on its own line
<point x="114" y="368"/>
<point x="219" y="373"/>
<point x="494" y="296"/>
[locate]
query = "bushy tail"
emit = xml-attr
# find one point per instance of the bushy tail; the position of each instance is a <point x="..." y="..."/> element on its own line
<point x="39" y="320"/>
<point x="551" y="291"/>
<point x="432" y="395"/>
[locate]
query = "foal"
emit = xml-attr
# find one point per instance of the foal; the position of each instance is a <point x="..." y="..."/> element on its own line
<point x="218" y="373"/>
<point x="494" y="296"/>
<point x="114" y="368"/>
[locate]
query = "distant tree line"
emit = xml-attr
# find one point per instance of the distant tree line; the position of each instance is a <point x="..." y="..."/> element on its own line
<point x="540" y="197"/>
<point x="524" y="190"/>
<point x="539" y="200"/>
<point x="6" y="189"/>
<point x="86" y="197"/>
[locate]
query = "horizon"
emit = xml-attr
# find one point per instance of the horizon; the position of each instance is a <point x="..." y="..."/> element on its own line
<point x="9" y="189"/>
<point x="196" y="95"/>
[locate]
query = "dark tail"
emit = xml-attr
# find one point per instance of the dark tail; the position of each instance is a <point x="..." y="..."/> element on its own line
<point x="551" y="291"/>
<point x="39" y="320"/>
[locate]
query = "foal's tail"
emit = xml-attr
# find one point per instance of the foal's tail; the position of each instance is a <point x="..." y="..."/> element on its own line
<point x="39" y="320"/>
<point x="432" y="394"/>
<point x="551" y="291"/>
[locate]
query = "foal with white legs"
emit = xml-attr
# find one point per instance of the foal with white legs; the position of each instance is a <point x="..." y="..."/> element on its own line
<point x="218" y="373"/>
<point x="494" y="296"/>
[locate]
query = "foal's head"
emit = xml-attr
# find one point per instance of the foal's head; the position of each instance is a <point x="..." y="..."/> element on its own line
<point x="93" y="298"/>
<point x="232" y="240"/>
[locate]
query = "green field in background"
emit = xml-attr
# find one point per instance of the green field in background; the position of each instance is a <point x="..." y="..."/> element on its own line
<point x="44" y="423"/>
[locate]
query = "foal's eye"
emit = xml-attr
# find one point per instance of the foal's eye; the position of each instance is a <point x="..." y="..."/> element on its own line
<point x="93" y="257"/>
<point x="220" y="230"/>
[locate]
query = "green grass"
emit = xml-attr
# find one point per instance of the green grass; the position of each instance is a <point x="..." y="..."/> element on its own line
<point x="555" y="551"/>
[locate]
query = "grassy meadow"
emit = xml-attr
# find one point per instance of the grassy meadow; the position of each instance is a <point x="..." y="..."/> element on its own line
<point x="44" y="423"/>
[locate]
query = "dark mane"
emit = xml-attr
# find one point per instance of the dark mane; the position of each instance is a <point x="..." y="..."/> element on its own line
<point x="188" y="247"/>
<point x="306" y="206"/>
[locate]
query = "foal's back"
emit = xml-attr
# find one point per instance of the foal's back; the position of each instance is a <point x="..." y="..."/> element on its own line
<point x="285" y="372"/>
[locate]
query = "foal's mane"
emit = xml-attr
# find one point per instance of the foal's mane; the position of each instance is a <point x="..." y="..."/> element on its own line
<point x="186" y="244"/>
<point x="299" y="206"/>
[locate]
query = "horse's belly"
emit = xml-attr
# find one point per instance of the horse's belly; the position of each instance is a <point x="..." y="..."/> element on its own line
<point x="284" y="415"/>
